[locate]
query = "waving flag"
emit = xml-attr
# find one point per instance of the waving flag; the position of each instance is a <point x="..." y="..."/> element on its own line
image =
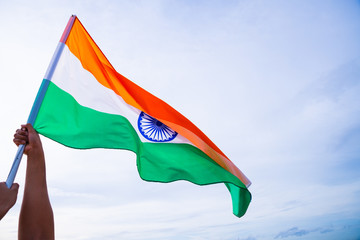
<point x="84" y="103"/>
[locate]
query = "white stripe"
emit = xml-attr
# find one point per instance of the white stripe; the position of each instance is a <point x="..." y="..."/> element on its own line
<point x="71" y="77"/>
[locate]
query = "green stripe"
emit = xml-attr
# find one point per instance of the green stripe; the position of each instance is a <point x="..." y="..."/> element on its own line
<point x="62" y="119"/>
<point x="167" y="162"/>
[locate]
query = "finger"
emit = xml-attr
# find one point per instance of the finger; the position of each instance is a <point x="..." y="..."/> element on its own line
<point x="19" y="136"/>
<point x="22" y="134"/>
<point x="19" y="139"/>
<point x="15" y="187"/>
<point x="23" y="130"/>
<point x="29" y="128"/>
<point x="17" y="142"/>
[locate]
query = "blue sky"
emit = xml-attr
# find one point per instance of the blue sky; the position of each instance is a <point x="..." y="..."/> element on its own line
<point x="275" y="84"/>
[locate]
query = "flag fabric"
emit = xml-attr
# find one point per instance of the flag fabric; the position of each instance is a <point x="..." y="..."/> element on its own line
<point x="86" y="104"/>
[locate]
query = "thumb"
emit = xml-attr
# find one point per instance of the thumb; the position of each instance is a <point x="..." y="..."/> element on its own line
<point x="29" y="127"/>
<point x="15" y="187"/>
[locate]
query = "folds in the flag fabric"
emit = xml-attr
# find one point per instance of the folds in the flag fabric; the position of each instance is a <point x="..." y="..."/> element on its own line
<point x="87" y="104"/>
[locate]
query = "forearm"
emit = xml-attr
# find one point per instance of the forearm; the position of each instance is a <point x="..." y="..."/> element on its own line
<point x="35" y="173"/>
<point x="36" y="216"/>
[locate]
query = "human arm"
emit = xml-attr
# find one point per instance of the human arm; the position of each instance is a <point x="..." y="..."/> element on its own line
<point x="36" y="219"/>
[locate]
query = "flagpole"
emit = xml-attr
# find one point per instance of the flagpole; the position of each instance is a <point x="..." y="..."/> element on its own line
<point x="39" y="98"/>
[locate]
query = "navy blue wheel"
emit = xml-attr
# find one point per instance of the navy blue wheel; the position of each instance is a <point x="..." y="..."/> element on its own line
<point x="154" y="130"/>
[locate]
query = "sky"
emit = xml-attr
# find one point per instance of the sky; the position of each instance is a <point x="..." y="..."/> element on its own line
<point x="274" y="84"/>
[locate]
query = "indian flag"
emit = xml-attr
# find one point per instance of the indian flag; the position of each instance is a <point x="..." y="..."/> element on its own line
<point x="84" y="103"/>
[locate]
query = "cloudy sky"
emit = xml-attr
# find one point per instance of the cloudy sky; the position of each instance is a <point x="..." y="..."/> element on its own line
<point x="274" y="84"/>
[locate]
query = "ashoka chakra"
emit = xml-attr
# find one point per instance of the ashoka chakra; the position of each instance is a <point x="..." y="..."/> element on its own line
<point x="154" y="130"/>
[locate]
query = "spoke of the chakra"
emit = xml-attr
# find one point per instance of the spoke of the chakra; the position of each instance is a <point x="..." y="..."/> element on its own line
<point x="163" y="135"/>
<point x="147" y="129"/>
<point x="157" y="134"/>
<point x="168" y="130"/>
<point x="153" y="132"/>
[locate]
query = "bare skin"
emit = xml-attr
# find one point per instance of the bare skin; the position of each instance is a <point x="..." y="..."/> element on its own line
<point x="7" y="197"/>
<point x="36" y="219"/>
